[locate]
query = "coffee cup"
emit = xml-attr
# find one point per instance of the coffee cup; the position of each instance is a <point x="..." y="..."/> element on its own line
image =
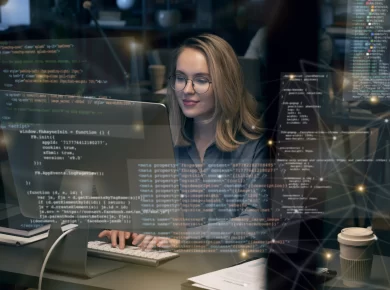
<point x="157" y="76"/>
<point x="356" y="255"/>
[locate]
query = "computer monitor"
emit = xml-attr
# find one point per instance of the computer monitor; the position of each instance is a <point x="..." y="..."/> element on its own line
<point x="15" y="228"/>
<point x="7" y="192"/>
<point x="10" y="216"/>
<point x="122" y="143"/>
<point x="100" y="162"/>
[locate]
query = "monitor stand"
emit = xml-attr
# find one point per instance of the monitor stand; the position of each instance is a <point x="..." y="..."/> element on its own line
<point x="70" y="255"/>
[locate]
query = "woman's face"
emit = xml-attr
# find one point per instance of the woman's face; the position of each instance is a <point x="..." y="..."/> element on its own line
<point x="192" y="64"/>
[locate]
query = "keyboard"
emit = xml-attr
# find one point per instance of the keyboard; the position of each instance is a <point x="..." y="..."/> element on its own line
<point x="129" y="254"/>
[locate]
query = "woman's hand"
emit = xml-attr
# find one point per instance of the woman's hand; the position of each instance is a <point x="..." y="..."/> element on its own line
<point x="145" y="242"/>
<point x="114" y="235"/>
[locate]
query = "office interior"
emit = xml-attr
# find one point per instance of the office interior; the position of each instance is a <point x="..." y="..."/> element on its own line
<point x="146" y="32"/>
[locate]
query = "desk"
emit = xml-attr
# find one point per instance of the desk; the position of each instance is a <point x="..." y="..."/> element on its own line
<point x="380" y="274"/>
<point x="21" y="266"/>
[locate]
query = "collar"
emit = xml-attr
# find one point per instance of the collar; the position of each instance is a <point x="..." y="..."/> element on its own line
<point x="188" y="132"/>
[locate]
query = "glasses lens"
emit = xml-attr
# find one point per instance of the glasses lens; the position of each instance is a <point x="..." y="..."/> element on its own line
<point x="177" y="82"/>
<point x="201" y="85"/>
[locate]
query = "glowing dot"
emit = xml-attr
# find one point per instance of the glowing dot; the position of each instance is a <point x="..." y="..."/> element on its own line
<point x="133" y="45"/>
<point x="253" y="127"/>
<point x="328" y="256"/>
<point x="367" y="53"/>
<point x="291" y="77"/>
<point x="374" y="99"/>
<point x="182" y="195"/>
<point x="243" y="254"/>
<point x="138" y="127"/>
<point x="270" y="142"/>
<point x="334" y="138"/>
<point x="3" y="141"/>
<point x="321" y="179"/>
<point x="219" y="176"/>
<point x="296" y="211"/>
<point x="273" y="240"/>
<point x="386" y="120"/>
<point x="361" y="188"/>
<point x="369" y="23"/>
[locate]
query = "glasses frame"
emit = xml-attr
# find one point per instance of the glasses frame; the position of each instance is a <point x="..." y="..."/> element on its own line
<point x="187" y="79"/>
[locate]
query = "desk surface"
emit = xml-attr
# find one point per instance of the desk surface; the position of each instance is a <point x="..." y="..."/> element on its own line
<point x="380" y="274"/>
<point x="21" y="265"/>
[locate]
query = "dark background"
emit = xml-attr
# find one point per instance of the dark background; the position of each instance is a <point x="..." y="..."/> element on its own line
<point x="293" y="30"/>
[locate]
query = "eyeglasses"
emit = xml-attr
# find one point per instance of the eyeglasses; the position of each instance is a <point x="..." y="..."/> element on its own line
<point x="200" y="84"/>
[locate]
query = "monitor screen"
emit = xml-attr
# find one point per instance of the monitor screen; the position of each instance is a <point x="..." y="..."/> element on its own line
<point x="91" y="160"/>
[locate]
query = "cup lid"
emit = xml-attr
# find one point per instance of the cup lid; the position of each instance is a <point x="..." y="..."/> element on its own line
<point x="356" y="236"/>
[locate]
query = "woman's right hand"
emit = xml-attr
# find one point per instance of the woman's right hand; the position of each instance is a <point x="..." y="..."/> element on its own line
<point x="144" y="242"/>
<point x="114" y="236"/>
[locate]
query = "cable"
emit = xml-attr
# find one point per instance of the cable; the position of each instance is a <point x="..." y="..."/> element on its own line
<point x="49" y="253"/>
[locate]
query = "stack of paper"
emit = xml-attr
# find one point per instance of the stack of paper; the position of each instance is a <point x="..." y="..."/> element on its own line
<point x="248" y="276"/>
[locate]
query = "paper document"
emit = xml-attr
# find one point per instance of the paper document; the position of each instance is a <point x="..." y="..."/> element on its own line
<point x="248" y="276"/>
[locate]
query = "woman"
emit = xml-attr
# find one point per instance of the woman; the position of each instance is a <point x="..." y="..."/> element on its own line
<point x="217" y="135"/>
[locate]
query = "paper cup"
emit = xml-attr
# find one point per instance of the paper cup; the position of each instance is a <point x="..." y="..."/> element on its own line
<point x="356" y="255"/>
<point x="157" y="76"/>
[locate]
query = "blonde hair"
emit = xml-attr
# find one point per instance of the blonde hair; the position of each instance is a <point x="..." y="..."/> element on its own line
<point x="235" y="108"/>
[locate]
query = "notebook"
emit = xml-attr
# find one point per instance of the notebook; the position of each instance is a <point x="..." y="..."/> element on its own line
<point x="19" y="225"/>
